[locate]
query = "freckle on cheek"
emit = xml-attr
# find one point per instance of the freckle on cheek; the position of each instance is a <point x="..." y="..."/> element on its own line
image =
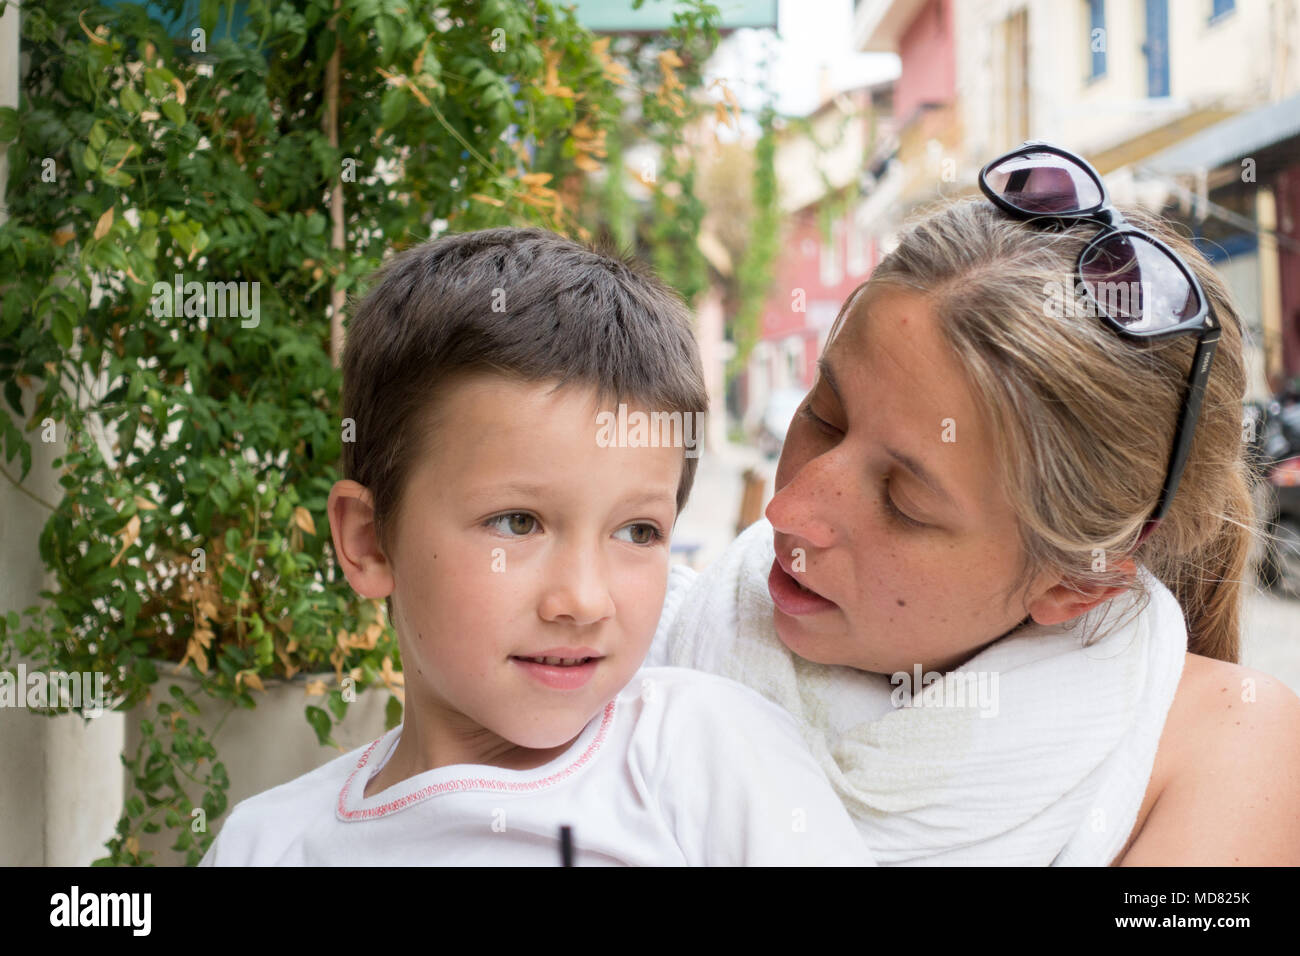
<point x="902" y="603"/>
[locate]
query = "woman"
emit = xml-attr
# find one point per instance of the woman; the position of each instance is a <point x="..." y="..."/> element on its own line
<point x="978" y="496"/>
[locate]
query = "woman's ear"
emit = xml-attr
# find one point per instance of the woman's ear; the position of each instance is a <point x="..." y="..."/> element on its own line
<point x="356" y="542"/>
<point x="1060" y="603"/>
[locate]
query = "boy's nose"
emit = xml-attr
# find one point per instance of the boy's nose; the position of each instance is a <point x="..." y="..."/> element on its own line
<point x="576" y="591"/>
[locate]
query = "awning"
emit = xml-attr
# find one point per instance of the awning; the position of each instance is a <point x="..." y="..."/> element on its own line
<point x="1245" y="134"/>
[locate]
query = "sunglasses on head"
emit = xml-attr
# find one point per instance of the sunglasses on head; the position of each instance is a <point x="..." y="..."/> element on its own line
<point x="1137" y="284"/>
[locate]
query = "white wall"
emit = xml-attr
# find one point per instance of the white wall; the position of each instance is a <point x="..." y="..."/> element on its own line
<point x="61" y="789"/>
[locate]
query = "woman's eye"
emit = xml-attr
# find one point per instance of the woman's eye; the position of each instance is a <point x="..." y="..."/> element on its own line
<point x="641" y="533"/>
<point x="821" y="423"/>
<point x="897" y="512"/>
<point x="516" y="523"/>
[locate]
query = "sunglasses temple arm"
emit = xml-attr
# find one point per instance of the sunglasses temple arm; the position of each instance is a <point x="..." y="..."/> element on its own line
<point x="1196" y="380"/>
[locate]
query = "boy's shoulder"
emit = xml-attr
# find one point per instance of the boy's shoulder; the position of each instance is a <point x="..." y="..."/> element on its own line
<point x="261" y="820"/>
<point x="678" y="699"/>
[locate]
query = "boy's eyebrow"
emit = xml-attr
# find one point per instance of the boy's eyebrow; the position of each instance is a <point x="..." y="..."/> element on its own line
<point x="527" y="490"/>
<point x="523" y="489"/>
<point x="648" y="497"/>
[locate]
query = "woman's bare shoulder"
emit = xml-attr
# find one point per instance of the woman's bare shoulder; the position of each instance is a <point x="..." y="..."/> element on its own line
<point x="1225" y="788"/>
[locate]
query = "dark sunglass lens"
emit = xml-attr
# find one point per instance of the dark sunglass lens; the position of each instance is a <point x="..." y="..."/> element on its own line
<point x="1138" y="284"/>
<point x="1044" y="183"/>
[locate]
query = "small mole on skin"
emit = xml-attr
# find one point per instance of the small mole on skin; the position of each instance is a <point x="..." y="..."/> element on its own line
<point x="902" y="603"/>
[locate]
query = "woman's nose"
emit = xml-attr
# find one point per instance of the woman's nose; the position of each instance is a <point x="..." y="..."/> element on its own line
<point x="577" y="591"/>
<point x="806" y="507"/>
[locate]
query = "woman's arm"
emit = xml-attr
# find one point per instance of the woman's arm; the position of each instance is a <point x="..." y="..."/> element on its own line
<point x="1225" y="788"/>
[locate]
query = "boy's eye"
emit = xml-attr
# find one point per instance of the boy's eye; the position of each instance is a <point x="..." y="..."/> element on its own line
<point x="641" y="533"/>
<point x="516" y="523"/>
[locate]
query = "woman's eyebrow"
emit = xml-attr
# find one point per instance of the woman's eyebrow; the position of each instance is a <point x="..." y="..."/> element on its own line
<point x="824" y="370"/>
<point x="926" y="477"/>
<point x="921" y="473"/>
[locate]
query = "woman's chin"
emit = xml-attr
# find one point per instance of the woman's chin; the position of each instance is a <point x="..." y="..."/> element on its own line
<point x="797" y="640"/>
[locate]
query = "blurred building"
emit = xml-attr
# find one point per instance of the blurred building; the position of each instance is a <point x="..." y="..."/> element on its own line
<point x="1187" y="108"/>
<point x="826" y="186"/>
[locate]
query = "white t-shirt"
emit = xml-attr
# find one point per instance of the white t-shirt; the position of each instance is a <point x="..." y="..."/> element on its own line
<point x="681" y="768"/>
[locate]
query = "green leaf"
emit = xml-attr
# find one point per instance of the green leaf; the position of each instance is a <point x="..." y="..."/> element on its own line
<point x="174" y="112"/>
<point x="8" y="124"/>
<point x="117" y="178"/>
<point x="389" y="29"/>
<point x="132" y="101"/>
<point x="320" y="722"/>
<point x="61" y="327"/>
<point x="155" y="84"/>
<point x="98" y="135"/>
<point x="392" y="108"/>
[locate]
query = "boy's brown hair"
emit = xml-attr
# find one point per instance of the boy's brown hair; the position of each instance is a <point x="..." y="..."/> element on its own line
<point x="521" y="302"/>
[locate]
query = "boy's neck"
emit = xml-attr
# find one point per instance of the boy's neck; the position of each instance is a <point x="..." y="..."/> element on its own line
<point x="426" y="745"/>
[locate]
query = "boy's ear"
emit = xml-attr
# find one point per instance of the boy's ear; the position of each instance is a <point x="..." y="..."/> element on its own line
<point x="356" y="543"/>
<point x="1060" y="603"/>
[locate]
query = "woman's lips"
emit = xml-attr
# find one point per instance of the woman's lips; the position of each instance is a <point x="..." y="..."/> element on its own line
<point x="790" y="597"/>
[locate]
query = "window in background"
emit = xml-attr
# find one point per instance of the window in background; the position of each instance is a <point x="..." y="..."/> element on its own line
<point x="1156" y="48"/>
<point x="1097" y="37"/>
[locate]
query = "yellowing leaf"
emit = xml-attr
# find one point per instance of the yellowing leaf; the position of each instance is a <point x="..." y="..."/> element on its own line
<point x="129" y="535"/>
<point x="145" y="504"/>
<point x="64" y="235"/>
<point x="180" y="90"/>
<point x="104" y="224"/>
<point x="129" y="150"/>
<point x="487" y="199"/>
<point x="538" y="179"/>
<point x="315" y="688"/>
<point x="302" y="518"/>
<point x="95" y="37"/>
<point x="252" y="680"/>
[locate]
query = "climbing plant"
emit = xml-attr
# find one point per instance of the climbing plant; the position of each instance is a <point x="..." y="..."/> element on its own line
<point x="192" y="192"/>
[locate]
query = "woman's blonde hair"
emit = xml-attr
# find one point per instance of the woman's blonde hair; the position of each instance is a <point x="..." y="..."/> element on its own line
<point x="1084" y="419"/>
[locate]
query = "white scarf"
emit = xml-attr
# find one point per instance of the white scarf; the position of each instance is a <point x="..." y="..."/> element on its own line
<point x="1055" y="777"/>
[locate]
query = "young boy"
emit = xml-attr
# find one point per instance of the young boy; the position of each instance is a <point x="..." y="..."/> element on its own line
<point x="522" y="546"/>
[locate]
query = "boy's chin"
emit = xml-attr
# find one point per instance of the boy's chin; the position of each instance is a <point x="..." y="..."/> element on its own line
<point x="553" y="735"/>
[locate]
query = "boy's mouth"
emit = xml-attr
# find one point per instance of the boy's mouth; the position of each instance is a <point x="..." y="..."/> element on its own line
<point x="557" y="661"/>
<point x="565" y="668"/>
